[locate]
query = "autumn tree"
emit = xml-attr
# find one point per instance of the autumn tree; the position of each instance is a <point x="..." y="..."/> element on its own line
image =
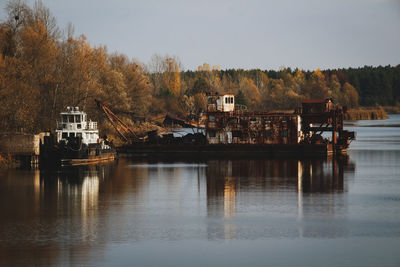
<point x="317" y="87"/>
<point x="30" y="53"/>
<point x="251" y="93"/>
<point x="350" y="96"/>
<point x="211" y="77"/>
<point x="199" y="86"/>
<point x="138" y="86"/>
<point x="335" y="88"/>
<point x="171" y="80"/>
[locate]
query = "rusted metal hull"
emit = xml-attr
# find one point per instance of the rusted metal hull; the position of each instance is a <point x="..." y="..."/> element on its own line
<point x="253" y="128"/>
<point x="58" y="155"/>
<point x="237" y="133"/>
<point x="88" y="161"/>
<point x="229" y="151"/>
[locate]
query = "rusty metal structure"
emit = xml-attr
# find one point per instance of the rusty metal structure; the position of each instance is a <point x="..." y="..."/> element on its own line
<point x="319" y="116"/>
<point x="123" y="130"/>
<point x="225" y="125"/>
<point x="250" y="127"/>
<point x="262" y="133"/>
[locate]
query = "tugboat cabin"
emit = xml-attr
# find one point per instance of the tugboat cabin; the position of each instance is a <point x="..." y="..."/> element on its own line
<point x="74" y="124"/>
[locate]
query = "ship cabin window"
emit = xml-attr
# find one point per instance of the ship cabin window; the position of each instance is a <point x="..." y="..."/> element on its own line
<point x="79" y="126"/>
<point x="71" y="134"/>
<point x="211" y="118"/>
<point x="70" y="118"/>
<point x="228" y="100"/>
<point x="211" y="134"/>
<point x="285" y="133"/>
<point x="268" y="134"/>
<point x="78" y="118"/>
<point x="64" y="135"/>
<point x="64" y="118"/>
<point x="78" y="134"/>
<point x="64" y="125"/>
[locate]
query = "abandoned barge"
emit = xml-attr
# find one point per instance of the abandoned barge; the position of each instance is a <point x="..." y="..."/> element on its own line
<point x="77" y="142"/>
<point x="314" y="130"/>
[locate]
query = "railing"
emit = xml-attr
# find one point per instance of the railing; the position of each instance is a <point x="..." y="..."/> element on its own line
<point x="91" y="125"/>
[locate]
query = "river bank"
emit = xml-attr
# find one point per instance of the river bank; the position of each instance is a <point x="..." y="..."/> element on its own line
<point x="366" y="113"/>
<point x="392" y="109"/>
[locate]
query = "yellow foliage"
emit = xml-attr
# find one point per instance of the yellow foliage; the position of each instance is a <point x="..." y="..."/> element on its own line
<point x="171" y="77"/>
<point x="317" y="74"/>
<point x="251" y="93"/>
<point x="200" y="102"/>
<point x="350" y="96"/>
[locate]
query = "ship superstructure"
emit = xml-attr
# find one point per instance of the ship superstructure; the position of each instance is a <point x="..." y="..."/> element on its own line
<point x="74" y="123"/>
<point x="76" y="142"/>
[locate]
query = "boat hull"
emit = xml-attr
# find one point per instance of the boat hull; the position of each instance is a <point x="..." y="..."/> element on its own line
<point x="57" y="155"/>
<point x="232" y="150"/>
<point x="110" y="156"/>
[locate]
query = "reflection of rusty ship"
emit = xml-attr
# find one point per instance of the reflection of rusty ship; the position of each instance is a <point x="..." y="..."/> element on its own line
<point x="315" y="129"/>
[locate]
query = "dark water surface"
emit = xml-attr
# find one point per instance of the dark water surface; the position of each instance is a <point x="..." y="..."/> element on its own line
<point x="211" y="213"/>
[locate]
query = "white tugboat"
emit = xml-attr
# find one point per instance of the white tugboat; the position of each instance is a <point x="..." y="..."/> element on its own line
<point x="77" y="142"/>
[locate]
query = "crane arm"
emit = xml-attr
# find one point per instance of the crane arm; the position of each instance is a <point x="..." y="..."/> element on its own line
<point x="124" y="131"/>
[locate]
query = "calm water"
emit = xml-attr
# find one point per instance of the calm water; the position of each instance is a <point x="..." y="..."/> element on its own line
<point x="213" y="212"/>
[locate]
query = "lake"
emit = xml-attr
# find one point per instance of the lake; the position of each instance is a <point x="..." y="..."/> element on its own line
<point x="334" y="212"/>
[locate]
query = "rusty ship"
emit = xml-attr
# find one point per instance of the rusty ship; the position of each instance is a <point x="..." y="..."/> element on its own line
<point x="315" y="129"/>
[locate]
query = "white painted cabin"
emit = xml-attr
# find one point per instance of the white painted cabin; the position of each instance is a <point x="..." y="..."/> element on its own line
<point x="224" y="103"/>
<point x="74" y="123"/>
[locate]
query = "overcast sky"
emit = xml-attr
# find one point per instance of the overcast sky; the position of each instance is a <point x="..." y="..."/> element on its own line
<point x="267" y="34"/>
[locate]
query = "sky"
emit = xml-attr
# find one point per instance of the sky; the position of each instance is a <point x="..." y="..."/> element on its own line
<point x="262" y="34"/>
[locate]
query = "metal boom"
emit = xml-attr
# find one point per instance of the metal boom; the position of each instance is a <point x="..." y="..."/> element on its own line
<point x="124" y="131"/>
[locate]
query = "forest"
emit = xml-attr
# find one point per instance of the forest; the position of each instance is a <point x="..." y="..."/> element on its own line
<point x="43" y="69"/>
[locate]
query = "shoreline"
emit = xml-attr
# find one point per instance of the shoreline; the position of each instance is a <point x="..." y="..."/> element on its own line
<point x="366" y="113"/>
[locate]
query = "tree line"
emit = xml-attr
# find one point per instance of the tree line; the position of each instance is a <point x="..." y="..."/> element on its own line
<point x="43" y="69"/>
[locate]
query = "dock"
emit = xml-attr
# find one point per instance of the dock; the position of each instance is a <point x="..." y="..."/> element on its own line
<point x="24" y="148"/>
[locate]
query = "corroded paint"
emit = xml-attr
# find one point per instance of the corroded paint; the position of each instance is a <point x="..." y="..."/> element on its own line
<point x="259" y="127"/>
<point x="253" y="128"/>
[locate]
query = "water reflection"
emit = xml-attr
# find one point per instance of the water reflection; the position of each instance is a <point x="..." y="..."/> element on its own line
<point x="41" y="211"/>
<point x="259" y="209"/>
<point x="64" y="216"/>
<point x="266" y="187"/>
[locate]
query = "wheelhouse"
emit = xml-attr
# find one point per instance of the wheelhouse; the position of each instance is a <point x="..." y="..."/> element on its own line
<point x="74" y="123"/>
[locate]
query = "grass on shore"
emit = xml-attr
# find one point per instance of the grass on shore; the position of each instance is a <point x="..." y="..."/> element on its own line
<point x="392" y="109"/>
<point x="366" y="113"/>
